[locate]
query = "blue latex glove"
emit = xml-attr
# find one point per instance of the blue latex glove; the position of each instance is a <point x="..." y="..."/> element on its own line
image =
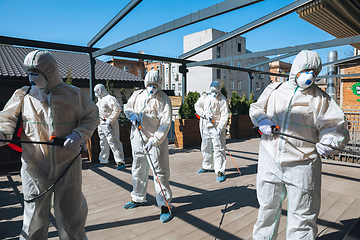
<point x="265" y="126"/>
<point x="72" y="141"/>
<point x="134" y="118"/>
<point x="148" y="146"/>
<point x="107" y="122"/>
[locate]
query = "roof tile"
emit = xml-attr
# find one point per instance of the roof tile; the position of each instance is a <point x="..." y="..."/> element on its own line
<point x="11" y="64"/>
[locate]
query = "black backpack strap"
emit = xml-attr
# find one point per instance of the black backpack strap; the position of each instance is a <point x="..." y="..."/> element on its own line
<point x="278" y="86"/>
<point x="27" y="92"/>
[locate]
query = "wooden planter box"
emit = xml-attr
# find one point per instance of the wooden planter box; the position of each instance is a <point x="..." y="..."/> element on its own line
<point x="187" y="133"/>
<point x="93" y="144"/>
<point x="241" y="126"/>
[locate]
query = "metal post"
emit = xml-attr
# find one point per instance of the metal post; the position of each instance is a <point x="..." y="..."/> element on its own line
<point x="169" y="79"/>
<point x="92" y="76"/>
<point x="184" y="70"/>
<point x="249" y="85"/>
<point x="332" y="70"/>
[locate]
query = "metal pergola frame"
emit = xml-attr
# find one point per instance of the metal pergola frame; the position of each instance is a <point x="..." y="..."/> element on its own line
<point x="209" y="12"/>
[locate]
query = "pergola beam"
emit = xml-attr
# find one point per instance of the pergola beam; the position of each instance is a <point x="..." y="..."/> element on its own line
<point x="128" y="8"/>
<point x="272" y="52"/>
<point x="198" y="16"/>
<point x="251" y="26"/>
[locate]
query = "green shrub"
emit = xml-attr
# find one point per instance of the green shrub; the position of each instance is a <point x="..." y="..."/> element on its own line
<point x="240" y="105"/>
<point x="187" y="109"/>
<point x="223" y="90"/>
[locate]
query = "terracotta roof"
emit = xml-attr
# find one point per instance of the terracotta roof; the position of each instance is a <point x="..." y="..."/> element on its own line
<point x="11" y="65"/>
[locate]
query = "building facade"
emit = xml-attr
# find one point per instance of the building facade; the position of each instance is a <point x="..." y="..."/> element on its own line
<point x="136" y="68"/>
<point x="199" y="78"/>
<point x="280" y="68"/>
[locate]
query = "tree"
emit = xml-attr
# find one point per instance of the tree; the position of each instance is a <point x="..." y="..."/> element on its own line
<point x="69" y="78"/>
<point x="110" y="87"/>
<point x="223" y="90"/>
<point x="123" y="96"/>
<point x="240" y="105"/>
<point x="187" y="109"/>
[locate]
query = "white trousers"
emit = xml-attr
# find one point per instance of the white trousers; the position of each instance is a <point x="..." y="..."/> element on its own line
<point x="140" y="170"/>
<point x="301" y="183"/>
<point x="213" y="150"/>
<point x="110" y="140"/>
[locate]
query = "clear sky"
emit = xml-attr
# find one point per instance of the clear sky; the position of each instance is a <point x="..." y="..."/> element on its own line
<point x="77" y="22"/>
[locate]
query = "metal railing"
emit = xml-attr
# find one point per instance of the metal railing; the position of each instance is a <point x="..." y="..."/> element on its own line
<point x="353" y="118"/>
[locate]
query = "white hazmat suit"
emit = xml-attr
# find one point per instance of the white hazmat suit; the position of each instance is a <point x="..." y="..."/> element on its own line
<point x="152" y="109"/>
<point x="60" y="110"/>
<point x="214" y="112"/>
<point x="108" y="129"/>
<point x="287" y="166"/>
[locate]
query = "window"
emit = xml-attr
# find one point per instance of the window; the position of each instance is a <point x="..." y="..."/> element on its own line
<point x="232" y="85"/>
<point x="126" y="69"/>
<point x="172" y="86"/>
<point x="218" y="52"/>
<point x="179" y="87"/>
<point x="167" y="86"/>
<point x="218" y="73"/>
<point x="238" y="86"/>
<point x="173" y="69"/>
<point x="231" y="65"/>
<point x="239" y="64"/>
<point x="239" y="47"/>
<point x="167" y="71"/>
<point x="262" y="69"/>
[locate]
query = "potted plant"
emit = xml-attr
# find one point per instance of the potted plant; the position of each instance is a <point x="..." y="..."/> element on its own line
<point x="187" y="133"/>
<point x="240" y="123"/>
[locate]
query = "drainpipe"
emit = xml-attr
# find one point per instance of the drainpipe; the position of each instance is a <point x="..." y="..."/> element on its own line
<point x="169" y="80"/>
<point x="332" y="70"/>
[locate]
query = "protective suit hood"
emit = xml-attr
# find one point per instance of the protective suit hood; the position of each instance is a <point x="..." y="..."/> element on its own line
<point x="152" y="77"/>
<point x="214" y="86"/>
<point x="305" y="60"/>
<point x="44" y="62"/>
<point x="100" y="90"/>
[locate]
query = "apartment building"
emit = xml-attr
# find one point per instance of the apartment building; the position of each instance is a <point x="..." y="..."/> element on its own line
<point x="199" y="78"/>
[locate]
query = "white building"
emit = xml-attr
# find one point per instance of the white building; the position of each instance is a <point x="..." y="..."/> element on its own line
<point x="199" y="78"/>
<point x="172" y="79"/>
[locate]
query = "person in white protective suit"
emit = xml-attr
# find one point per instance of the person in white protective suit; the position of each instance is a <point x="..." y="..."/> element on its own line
<point x="291" y="167"/>
<point x="152" y="109"/>
<point x="51" y="108"/>
<point x="108" y="129"/>
<point x="214" y="112"/>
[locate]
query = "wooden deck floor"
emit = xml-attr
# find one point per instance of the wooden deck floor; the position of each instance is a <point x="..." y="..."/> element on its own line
<point x="203" y="208"/>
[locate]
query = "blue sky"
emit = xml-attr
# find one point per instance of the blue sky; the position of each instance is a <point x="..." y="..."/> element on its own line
<point x="77" y="22"/>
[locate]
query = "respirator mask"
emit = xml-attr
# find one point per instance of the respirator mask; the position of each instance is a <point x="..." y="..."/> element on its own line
<point x="306" y="79"/>
<point x="152" y="89"/>
<point x="37" y="80"/>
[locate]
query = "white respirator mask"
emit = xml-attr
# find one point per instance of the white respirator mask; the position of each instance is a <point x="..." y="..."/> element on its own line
<point x="37" y="80"/>
<point x="306" y="79"/>
<point x="215" y="94"/>
<point x="151" y="89"/>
